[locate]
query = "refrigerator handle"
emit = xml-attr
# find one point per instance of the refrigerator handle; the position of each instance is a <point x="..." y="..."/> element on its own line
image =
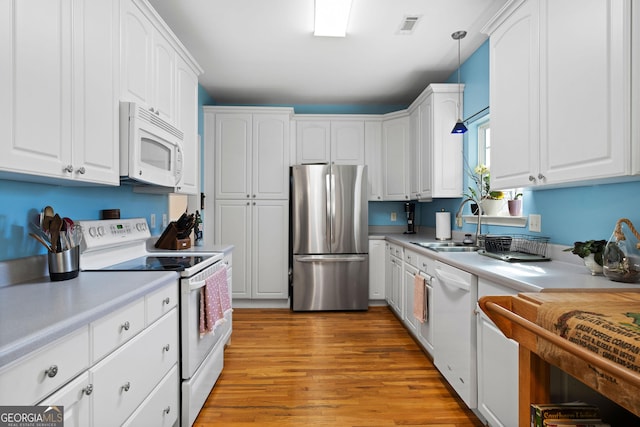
<point x="333" y="209"/>
<point x="328" y="208"/>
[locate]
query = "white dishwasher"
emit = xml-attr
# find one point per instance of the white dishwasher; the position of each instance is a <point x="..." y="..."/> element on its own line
<point x="454" y="341"/>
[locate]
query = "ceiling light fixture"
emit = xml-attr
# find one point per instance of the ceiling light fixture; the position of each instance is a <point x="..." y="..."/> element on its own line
<point x="459" y="127"/>
<point x="331" y="17"/>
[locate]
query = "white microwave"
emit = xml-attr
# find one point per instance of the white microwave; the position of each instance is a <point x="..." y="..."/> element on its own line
<point x="150" y="147"/>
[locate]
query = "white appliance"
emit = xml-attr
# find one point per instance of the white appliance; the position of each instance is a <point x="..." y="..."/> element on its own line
<point x="150" y="147"/>
<point x="454" y="302"/>
<point x="121" y="245"/>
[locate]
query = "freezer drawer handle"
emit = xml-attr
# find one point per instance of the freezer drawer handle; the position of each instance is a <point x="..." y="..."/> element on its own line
<point x="331" y="259"/>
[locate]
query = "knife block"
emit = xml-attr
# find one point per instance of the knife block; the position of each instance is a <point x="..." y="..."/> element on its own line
<point x="169" y="239"/>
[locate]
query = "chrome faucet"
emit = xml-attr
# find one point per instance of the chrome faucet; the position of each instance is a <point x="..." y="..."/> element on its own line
<point x="479" y="225"/>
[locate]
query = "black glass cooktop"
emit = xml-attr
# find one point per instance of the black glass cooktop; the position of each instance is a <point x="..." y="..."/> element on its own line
<point x="147" y="263"/>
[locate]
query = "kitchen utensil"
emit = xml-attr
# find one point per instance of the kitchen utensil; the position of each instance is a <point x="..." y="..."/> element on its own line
<point x="41" y="240"/>
<point x="47" y="216"/>
<point x="54" y="231"/>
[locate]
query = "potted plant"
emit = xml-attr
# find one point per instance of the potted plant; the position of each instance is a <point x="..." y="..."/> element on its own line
<point x="591" y="253"/>
<point x="515" y="205"/>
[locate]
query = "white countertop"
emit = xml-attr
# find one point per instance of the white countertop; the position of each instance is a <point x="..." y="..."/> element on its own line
<point x="36" y="313"/>
<point x="522" y="276"/>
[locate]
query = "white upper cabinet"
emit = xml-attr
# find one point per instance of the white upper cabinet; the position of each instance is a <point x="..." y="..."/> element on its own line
<point x="60" y="58"/>
<point x="436" y="159"/>
<point x="373" y="157"/>
<point x="395" y="158"/>
<point x="187" y="121"/>
<point x="251" y="152"/>
<point x="560" y="92"/>
<point x="148" y="62"/>
<point x="313" y="141"/>
<point x="332" y="139"/>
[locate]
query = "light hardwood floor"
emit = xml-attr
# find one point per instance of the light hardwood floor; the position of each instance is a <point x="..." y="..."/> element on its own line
<point x="329" y="369"/>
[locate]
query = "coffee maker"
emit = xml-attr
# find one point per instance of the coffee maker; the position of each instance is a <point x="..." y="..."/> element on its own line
<point x="410" y="210"/>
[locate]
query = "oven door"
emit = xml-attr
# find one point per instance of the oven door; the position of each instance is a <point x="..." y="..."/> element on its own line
<point x="194" y="347"/>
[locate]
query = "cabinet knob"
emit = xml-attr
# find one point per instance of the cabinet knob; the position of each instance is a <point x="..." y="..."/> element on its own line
<point x="541" y="177"/>
<point x="68" y="168"/>
<point x="166" y="347"/>
<point x="254" y="196"/>
<point x="52" y="371"/>
<point x="247" y="196"/>
<point x="166" y="301"/>
<point x="126" y="386"/>
<point x="126" y="325"/>
<point x="167" y="409"/>
<point x="81" y="170"/>
<point x="379" y="197"/>
<point x="532" y="178"/>
<point x="88" y="389"/>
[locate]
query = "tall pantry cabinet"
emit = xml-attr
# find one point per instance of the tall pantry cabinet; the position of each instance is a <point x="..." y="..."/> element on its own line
<point x="250" y="182"/>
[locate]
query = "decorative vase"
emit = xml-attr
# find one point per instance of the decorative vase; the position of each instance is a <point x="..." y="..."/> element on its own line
<point x="621" y="257"/>
<point x="493" y="207"/>
<point x="592" y="265"/>
<point x="515" y="207"/>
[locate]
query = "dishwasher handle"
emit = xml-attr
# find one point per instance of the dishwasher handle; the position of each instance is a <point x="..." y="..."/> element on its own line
<point x="452" y="281"/>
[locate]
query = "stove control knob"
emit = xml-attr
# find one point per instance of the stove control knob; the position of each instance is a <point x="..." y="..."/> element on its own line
<point x="140" y="226"/>
<point x="93" y="232"/>
<point x="101" y="231"/>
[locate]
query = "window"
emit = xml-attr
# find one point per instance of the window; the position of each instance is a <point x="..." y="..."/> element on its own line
<point x="484" y="144"/>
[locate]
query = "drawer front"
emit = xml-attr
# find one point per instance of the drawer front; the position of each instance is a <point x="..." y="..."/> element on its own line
<point x="113" y="330"/>
<point x="161" y="408"/>
<point x="125" y="378"/>
<point x="32" y="378"/>
<point x="75" y="400"/>
<point x="411" y="258"/>
<point x="161" y="302"/>
<point x="395" y="250"/>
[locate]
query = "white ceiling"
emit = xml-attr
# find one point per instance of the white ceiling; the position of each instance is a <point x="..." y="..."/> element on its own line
<point x="263" y="51"/>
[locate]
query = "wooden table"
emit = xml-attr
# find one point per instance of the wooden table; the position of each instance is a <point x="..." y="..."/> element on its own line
<point x="588" y="340"/>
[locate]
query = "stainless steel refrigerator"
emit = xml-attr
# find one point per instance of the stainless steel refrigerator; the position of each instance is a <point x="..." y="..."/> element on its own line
<point x="329" y="238"/>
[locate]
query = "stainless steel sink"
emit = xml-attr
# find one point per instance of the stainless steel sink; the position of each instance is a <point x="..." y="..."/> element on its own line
<point x="447" y="246"/>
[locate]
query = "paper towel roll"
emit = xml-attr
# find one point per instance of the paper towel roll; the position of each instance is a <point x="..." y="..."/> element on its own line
<point x="443" y="225"/>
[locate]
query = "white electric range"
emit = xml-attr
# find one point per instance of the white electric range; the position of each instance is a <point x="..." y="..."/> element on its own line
<point x="123" y="245"/>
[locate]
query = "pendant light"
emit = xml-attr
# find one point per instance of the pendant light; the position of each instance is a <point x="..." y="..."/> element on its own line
<point x="459" y="127"/>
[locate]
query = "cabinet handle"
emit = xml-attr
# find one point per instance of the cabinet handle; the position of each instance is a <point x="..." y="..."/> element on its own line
<point x="126" y="325"/>
<point x="254" y="196"/>
<point x="247" y="196"/>
<point x="81" y="170"/>
<point x="69" y="168"/>
<point x="167" y="409"/>
<point x="126" y="386"/>
<point x="52" y="371"/>
<point x="541" y="177"/>
<point x="166" y="301"/>
<point x="166" y="347"/>
<point x="532" y="178"/>
<point x="88" y="389"/>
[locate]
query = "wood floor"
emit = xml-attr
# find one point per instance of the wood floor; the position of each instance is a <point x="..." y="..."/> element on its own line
<point x="328" y="369"/>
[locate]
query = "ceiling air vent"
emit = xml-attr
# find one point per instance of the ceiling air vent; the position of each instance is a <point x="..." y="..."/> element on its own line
<point x="408" y="24"/>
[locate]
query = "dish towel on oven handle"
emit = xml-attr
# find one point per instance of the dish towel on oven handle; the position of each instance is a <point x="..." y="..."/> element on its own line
<point x="215" y="301"/>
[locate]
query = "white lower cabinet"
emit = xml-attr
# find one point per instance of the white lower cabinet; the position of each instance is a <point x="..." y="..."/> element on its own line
<point x="394" y="276"/>
<point x="376" y="269"/>
<point x="409" y="273"/>
<point x="135" y="383"/>
<point x="160" y="409"/>
<point x="258" y="230"/>
<point x="127" y="376"/>
<point x="75" y="398"/>
<point x="497" y="358"/>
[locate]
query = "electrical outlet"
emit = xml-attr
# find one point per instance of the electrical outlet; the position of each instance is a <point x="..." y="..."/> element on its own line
<point x="394" y="216"/>
<point x="152" y="221"/>
<point x="165" y="222"/>
<point x="535" y="222"/>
